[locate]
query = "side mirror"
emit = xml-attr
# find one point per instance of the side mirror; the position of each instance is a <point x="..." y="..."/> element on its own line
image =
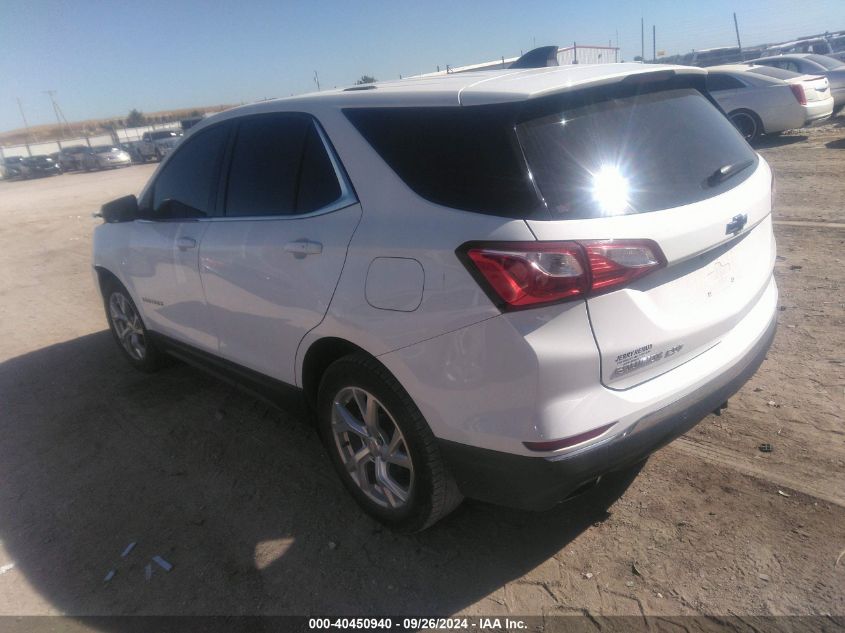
<point x="123" y="209"/>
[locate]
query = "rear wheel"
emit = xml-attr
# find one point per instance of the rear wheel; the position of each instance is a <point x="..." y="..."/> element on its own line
<point x="748" y="124"/>
<point x="128" y="329"/>
<point x="381" y="446"/>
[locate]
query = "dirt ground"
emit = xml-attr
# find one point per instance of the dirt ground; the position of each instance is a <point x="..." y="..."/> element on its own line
<point x="241" y="500"/>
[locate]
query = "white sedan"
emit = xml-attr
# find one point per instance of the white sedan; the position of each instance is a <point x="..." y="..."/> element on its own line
<point x="764" y="100"/>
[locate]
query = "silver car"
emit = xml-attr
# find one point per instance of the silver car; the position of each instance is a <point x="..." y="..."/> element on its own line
<point x="813" y="64"/>
<point x="106" y="157"/>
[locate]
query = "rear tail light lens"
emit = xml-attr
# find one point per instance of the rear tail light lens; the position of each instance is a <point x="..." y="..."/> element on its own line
<point x="518" y="275"/>
<point x="798" y="91"/>
<point x="614" y="264"/>
<point x="522" y="275"/>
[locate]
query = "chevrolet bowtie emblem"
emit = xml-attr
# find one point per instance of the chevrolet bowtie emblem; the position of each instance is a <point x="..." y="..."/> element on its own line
<point x="736" y="224"/>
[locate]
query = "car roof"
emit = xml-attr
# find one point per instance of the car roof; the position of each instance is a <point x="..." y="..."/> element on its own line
<point x="471" y="88"/>
<point x="744" y="71"/>
<point x="736" y="68"/>
<point x="786" y="56"/>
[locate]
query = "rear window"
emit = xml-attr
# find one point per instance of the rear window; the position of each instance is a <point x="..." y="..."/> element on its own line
<point x="827" y="62"/>
<point x="777" y="73"/>
<point x="633" y="155"/>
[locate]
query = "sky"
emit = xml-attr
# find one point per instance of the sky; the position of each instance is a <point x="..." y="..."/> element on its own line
<point x="104" y="58"/>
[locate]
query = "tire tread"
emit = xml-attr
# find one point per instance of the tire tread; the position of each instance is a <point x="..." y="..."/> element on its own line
<point x="445" y="496"/>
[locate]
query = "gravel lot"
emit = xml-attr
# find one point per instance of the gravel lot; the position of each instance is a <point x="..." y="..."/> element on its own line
<point x="241" y="500"/>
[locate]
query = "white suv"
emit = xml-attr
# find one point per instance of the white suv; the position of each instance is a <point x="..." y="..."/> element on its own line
<point x="499" y="285"/>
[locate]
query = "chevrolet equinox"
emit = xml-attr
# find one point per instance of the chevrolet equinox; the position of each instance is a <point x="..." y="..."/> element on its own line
<point x="500" y="285"/>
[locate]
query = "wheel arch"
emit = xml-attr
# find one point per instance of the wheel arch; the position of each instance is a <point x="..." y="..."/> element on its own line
<point x="757" y="119"/>
<point x="105" y="277"/>
<point x="320" y="355"/>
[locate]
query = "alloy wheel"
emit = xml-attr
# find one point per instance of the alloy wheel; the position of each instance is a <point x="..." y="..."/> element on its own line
<point x="127" y="326"/>
<point x="372" y="448"/>
<point x="746" y="125"/>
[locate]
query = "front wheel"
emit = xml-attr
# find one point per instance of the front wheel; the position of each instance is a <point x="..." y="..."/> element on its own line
<point x="381" y="446"/>
<point x="129" y="331"/>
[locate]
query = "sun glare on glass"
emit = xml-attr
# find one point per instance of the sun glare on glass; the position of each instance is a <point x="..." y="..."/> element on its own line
<point x="610" y="190"/>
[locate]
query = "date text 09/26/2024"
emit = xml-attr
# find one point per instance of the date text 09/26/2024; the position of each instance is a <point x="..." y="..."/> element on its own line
<point x="388" y="624"/>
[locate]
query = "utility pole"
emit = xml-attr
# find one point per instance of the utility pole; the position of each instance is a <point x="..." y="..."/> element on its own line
<point x="653" y="43"/>
<point x="736" y="26"/>
<point x="642" y="39"/>
<point x="616" y="54"/>
<point x="26" y="126"/>
<point x="317" y="80"/>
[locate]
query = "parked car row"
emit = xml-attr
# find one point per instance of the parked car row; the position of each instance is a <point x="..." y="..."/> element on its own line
<point x="764" y="100"/>
<point x="22" y="168"/>
<point x="830" y="45"/>
<point x="811" y="64"/>
<point x="69" y="159"/>
<point x="153" y="145"/>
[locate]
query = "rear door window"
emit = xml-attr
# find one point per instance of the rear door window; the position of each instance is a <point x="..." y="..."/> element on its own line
<point x="318" y="185"/>
<point x="633" y="155"/>
<point x="280" y="166"/>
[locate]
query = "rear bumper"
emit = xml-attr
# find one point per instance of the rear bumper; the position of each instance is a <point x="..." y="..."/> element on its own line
<point x="816" y="110"/>
<point x="538" y="483"/>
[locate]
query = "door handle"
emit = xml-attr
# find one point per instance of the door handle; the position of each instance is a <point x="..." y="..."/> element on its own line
<point x="184" y="243"/>
<point x="301" y="248"/>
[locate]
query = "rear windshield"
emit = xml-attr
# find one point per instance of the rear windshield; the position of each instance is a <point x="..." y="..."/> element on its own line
<point x="633" y="155"/>
<point x="657" y="150"/>
<point x="827" y="62"/>
<point x="777" y="73"/>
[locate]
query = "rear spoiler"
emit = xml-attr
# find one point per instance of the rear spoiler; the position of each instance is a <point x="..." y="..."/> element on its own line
<point x="610" y="87"/>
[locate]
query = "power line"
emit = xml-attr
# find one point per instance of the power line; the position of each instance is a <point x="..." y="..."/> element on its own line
<point x="26" y="126"/>
<point x="57" y="110"/>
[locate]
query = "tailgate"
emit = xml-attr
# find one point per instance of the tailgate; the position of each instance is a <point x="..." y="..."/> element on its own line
<point x="604" y="169"/>
<point x="816" y="88"/>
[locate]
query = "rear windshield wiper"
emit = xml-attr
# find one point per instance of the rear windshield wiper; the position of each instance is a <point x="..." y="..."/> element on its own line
<point x="727" y="171"/>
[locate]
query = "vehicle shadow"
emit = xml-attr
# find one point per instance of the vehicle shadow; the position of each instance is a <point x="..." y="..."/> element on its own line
<point x="837" y="144"/>
<point x="239" y="498"/>
<point x="766" y="142"/>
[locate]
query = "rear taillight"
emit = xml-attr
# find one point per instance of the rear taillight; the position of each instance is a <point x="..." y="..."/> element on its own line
<point x="798" y="91"/>
<point x="616" y="263"/>
<point x="519" y="275"/>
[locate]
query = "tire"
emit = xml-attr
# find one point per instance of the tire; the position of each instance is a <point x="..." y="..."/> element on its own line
<point x="406" y="484"/>
<point x="748" y="124"/>
<point x="134" y="342"/>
